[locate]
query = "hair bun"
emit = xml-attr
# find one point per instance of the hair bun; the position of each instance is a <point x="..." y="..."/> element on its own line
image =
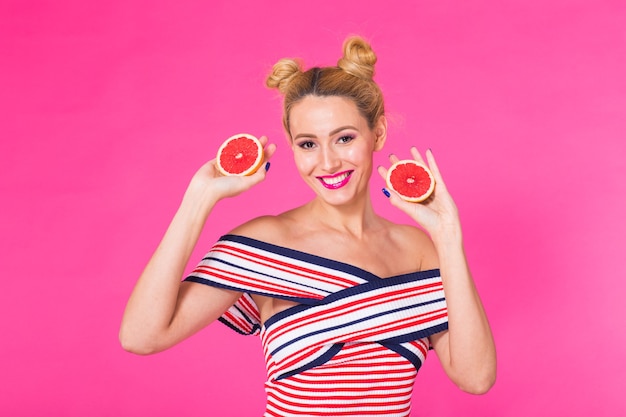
<point x="282" y="73"/>
<point x="358" y="58"/>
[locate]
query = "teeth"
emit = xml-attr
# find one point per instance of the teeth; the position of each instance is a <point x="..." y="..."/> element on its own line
<point x="335" y="180"/>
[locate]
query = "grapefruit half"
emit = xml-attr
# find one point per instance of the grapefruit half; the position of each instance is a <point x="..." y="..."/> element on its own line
<point x="412" y="180"/>
<point x="240" y="154"/>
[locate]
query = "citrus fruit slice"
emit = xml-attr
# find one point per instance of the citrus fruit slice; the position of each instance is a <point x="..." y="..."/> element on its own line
<point x="412" y="180"/>
<point x="240" y="154"/>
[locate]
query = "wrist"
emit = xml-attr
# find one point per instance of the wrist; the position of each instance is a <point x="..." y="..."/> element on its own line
<point x="448" y="236"/>
<point x="199" y="198"/>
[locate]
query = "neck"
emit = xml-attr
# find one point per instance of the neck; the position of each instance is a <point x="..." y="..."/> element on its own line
<point x="354" y="219"/>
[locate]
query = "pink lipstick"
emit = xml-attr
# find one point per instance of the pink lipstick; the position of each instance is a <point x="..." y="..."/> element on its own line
<point x="333" y="182"/>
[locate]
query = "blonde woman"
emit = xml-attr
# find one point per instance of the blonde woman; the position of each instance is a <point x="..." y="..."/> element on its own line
<point x="346" y="302"/>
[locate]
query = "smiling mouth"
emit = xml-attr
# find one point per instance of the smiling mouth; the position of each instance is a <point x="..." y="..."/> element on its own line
<point x="333" y="182"/>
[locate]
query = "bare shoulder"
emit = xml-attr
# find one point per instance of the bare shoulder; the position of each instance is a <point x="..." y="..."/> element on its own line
<point x="415" y="240"/>
<point x="276" y="229"/>
<point x="261" y="228"/>
<point x="281" y="229"/>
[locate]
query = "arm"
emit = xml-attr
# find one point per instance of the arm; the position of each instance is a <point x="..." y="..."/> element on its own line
<point x="466" y="350"/>
<point x="162" y="310"/>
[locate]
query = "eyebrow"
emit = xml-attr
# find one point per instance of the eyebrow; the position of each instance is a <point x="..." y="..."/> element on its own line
<point x="333" y="132"/>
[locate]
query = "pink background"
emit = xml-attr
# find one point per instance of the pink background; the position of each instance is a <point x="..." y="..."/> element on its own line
<point x="108" y="108"/>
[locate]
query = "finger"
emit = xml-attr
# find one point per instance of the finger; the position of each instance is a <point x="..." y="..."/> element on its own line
<point x="382" y="171"/>
<point x="393" y="158"/>
<point x="432" y="164"/>
<point x="268" y="148"/>
<point x="416" y="155"/>
<point x="399" y="203"/>
<point x="269" y="151"/>
<point x="263" y="139"/>
<point x="260" y="174"/>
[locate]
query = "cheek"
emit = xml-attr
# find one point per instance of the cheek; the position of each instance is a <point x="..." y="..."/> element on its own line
<point x="304" y="162"/>
<point x="358" y="155"/>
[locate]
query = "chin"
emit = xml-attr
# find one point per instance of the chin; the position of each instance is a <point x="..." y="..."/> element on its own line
<point x="339" y="199"/>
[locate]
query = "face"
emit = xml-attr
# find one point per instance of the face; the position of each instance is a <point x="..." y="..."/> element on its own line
<point x="333" y="147"/>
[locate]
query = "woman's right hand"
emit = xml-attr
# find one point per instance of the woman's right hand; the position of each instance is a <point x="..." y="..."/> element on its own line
<point x="208" y="179"/>
<point x="161" y="311"/>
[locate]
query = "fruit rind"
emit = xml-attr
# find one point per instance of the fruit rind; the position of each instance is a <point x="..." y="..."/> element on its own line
<point x="253" y="168"/>
<point x="419" y="198"/>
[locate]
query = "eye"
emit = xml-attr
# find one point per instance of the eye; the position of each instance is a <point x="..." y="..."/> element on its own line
<point x="345" y="139"/>
<point x="307" y="144"/>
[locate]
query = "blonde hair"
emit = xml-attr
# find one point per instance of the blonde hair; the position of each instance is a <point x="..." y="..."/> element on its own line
<point x="352" y="78"/>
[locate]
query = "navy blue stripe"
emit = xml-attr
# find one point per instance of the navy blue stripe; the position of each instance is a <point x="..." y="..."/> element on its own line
<point x="325" y="357"/>
<point x="356" y="290"/>
<point x="288" y="312"/>
<point x="255" y="327"/>
<point x="406" y="353"/>
<point x="200" y="280"/>
<point x="313" y="259"/>
<point x="261" y="273"/>
<point x="417" y="335"/>
<point x="328" y="329"/>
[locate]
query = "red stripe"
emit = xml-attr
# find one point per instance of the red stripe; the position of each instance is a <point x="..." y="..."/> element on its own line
<point x="349" y="307"/>
<point x="238" y="322"/>
<point x="209" y="270"/>
<point x="253" y="257"/>
<point x="323" y="386"/>
<point x="357" y="335"/>
<point x="399" y="325"/>
<point x="357" y="304"/>
<point x="339" y="410"/>
<point x="421" y="346"/>
<point x="251" y="309"/>
<point x="357" y="396"/>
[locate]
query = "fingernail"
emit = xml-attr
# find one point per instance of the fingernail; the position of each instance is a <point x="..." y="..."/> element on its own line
<point x="267" y="167"/>
<point x="387" y="194"/>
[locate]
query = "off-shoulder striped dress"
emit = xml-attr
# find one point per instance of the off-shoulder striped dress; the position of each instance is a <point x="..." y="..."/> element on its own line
<point x="353" y="344"/>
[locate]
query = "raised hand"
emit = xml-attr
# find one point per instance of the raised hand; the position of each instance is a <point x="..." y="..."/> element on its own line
<point x="438" y="215"/>
<point x="159" y="313"/>
<point x="209" y="179"/>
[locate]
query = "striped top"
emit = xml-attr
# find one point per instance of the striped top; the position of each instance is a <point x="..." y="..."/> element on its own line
<point x="353" y="344"/>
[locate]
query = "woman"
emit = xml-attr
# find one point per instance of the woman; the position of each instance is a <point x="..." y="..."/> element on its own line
<point x="346" y="302"/>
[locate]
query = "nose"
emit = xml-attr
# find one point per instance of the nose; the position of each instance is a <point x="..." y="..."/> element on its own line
<point x="330" y="160"/>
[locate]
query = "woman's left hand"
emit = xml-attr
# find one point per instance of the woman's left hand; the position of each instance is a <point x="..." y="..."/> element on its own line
<point x="438" y="215"/>
<point x="466" y="350"/>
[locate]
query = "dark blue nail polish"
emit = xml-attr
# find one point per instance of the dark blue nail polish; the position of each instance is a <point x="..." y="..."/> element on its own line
<point x="267" y="167"/>
<point x="387" y="194"/>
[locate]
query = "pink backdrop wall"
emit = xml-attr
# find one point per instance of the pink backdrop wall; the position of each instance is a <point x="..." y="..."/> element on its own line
<point x="107" y="109"/>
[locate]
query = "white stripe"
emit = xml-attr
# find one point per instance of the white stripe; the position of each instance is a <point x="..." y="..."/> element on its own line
<point x="312" y="331"/>
<point x="292" y="274"/>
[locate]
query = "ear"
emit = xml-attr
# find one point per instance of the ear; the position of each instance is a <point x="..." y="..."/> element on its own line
<point x="380" y="132"/>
